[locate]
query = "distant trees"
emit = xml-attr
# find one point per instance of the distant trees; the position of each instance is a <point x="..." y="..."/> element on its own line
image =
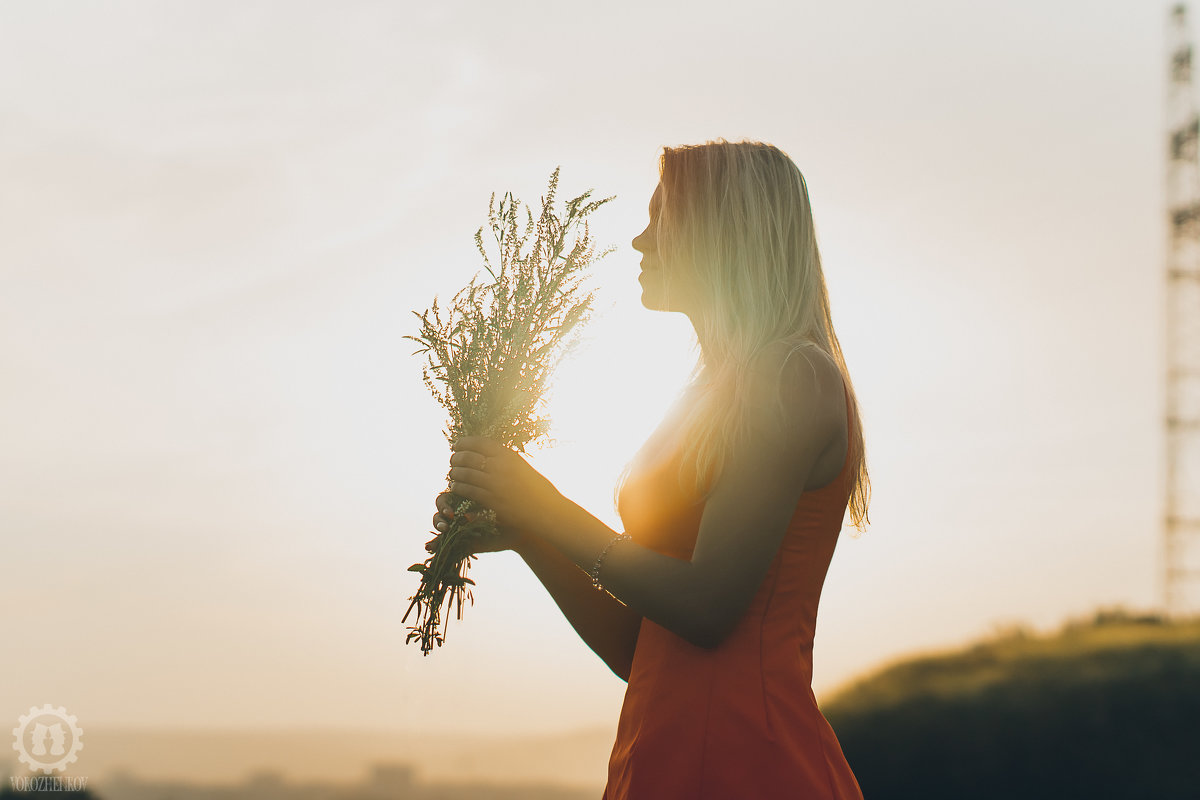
<point x="1103" y="709"/>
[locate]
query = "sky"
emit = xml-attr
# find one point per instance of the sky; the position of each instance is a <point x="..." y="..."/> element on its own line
<point x="217" y="456"/>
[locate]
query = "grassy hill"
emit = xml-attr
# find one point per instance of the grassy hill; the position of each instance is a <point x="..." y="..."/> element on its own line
<point x="1104" y="708"/>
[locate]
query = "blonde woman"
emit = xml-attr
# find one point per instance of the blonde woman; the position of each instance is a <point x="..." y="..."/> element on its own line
<point x="706" y="603"/>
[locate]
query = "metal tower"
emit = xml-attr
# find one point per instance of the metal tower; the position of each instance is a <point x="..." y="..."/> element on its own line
<point x="1181" y="521"/>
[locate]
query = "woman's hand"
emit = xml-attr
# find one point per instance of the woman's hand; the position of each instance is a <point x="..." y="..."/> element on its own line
<point x="509" y="538"/>
<point x="498" y="478"/>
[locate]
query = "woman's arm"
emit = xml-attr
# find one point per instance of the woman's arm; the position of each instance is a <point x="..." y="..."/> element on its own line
<point x="744" y="520"/>
<point x="608" y="626"/>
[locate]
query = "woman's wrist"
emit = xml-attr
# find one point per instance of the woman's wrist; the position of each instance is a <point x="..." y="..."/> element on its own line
<point x="528" y="544"/>
<point x="519" y="542"/>
<point x="594" y="572"/>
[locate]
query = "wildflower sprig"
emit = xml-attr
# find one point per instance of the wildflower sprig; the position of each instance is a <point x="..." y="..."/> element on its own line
<point x="489" y="358"/>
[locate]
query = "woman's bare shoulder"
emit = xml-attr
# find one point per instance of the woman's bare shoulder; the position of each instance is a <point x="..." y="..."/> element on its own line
<point x="805" y="377"/>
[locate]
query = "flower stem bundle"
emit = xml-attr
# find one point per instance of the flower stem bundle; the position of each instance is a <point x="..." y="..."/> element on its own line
<point x="489" y="357"/>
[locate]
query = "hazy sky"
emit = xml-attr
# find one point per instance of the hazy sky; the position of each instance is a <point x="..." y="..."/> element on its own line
<point x="217" y="457"/>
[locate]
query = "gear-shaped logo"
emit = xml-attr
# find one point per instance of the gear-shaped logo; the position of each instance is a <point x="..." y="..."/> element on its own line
<point x="42" y="736"/>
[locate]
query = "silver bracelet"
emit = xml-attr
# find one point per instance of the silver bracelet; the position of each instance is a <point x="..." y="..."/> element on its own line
<point x="595" y="573"/>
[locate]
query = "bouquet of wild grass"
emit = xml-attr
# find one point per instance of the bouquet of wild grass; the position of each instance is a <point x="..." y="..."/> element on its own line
<point x="492" y="355"/>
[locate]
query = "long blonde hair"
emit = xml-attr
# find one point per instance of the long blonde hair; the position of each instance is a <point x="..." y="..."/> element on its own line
<point x="737" y="215"/>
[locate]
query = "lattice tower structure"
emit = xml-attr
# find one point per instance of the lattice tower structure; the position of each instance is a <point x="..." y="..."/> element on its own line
<point x="1181" y="517"/>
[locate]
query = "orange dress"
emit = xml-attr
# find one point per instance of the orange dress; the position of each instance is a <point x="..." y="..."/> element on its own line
<point x="740" y="720"/>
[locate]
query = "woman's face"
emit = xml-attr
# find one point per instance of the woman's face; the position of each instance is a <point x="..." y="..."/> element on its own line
<point x="663" y="287"/>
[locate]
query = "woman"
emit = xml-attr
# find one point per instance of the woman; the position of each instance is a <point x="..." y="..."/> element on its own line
<point x="731" y="509"/>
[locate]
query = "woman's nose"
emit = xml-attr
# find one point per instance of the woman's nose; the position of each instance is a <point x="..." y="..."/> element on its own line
<point x="641" y="242"/>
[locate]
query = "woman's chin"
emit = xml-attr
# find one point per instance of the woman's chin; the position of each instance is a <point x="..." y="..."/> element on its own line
<point x="650" y="300"/>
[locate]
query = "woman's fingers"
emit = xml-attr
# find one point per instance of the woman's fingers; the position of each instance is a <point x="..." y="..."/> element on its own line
<point x="445" y="511"/>
<point x="480" y="444"/>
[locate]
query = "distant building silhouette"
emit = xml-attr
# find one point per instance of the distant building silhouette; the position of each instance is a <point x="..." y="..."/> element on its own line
<point x="390" y="780"/>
